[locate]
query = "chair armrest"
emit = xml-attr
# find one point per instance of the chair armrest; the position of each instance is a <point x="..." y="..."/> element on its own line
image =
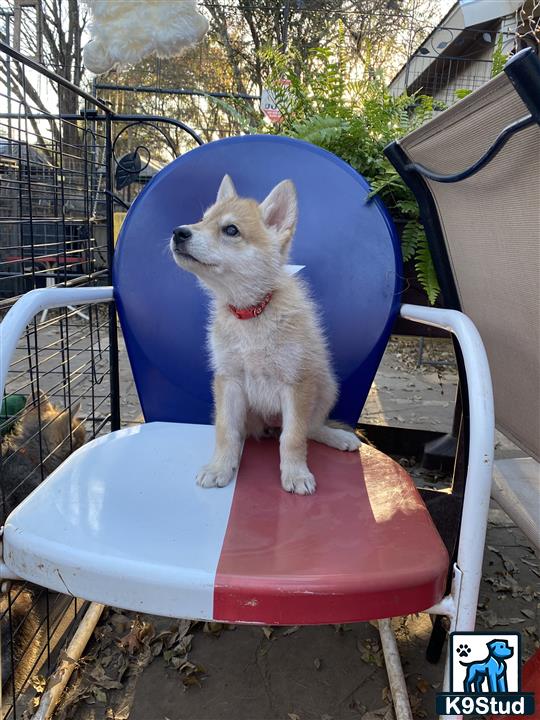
<point x="30" y="305"/>
<point x="481" y="441"/>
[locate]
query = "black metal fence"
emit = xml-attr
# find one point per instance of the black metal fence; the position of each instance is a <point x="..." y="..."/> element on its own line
<point x="62" y="389"/>
<point x="66" y="180"/>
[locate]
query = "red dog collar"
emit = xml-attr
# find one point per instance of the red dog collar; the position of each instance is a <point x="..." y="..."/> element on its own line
<point x="253" y="311"/>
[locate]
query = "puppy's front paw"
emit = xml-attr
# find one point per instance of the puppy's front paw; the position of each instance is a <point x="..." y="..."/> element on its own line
<point x="297" y="479"/>
<point x="215" y="475"/>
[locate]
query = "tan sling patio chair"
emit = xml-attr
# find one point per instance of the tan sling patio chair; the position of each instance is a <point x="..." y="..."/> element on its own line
<point x="475" y="171"/>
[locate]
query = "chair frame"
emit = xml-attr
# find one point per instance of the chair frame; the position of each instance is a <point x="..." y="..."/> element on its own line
<point x="460" y="604"/>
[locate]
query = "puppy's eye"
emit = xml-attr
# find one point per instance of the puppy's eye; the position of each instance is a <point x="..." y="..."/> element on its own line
<point x="231" y="230"/>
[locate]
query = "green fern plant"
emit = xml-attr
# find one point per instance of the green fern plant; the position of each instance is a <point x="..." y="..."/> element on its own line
<point x="499" y="57"/>
<point x="425" y="270"/>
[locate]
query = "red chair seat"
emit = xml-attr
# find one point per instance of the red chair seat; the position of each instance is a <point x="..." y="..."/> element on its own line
<point x="362" y="547"/>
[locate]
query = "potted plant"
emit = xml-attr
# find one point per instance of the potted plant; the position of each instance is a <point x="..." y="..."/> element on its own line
<point x="355" y="120"/>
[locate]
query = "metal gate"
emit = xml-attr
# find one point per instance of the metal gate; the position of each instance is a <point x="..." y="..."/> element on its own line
<point x="61" y="181"/>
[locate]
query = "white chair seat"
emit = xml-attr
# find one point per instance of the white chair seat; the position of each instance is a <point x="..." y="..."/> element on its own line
<point x="114" y="521"/>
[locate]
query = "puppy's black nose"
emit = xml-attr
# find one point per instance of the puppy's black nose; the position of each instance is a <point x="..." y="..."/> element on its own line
<point x="181" y="234"/>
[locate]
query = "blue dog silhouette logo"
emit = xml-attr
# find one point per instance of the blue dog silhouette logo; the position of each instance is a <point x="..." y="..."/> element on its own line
<point x="484" y="676"/>
<point x="489" y="674"/>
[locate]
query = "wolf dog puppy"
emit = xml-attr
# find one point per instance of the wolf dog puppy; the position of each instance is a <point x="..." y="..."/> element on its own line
<point x="269" y="355"/>
<point x="22" y="450"/>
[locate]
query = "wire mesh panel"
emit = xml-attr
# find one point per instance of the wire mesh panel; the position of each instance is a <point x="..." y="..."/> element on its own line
<point x="447" y="79"/>
<point x="55" y="231"/>
<point x="52" y="209"/>
<point x="452" y="62"/>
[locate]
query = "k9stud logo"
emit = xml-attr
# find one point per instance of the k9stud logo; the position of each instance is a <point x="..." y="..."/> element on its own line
<point x="485" y="676"/>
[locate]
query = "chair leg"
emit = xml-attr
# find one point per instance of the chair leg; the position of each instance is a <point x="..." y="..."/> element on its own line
<point x="465" y="588"/>
<point x="396" y="678"/>
<point x="436" y="641"/>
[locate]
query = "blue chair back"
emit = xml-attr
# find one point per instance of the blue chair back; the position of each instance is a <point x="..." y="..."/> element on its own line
<point x="346" y="241"/>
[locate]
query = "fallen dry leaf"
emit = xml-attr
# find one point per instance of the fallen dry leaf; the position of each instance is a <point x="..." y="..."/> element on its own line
<point x="102" y="680"/>
<point x="416" y="702"/>
<point x="509" y="565"/>
<point x="39" y="683"/>
<point x="216" y="628"/>
<point x="422" y="685"/>
<point x="371" y="652"/>
<point x="191" y="680"/>
<point x="384" y="713"/>
<point x="490" y="619"/>
<point x="101" y="697"/>
<point x="139" y="633"/>
<point x="290" y="630"/>
<point x="262" y="651"/>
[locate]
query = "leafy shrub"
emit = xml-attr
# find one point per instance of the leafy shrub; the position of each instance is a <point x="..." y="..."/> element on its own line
<point x="355" y="120"/>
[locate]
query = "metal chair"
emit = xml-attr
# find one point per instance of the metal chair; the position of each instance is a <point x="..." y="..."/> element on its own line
<point x="475" y="172"/>
<point x="122" y="522"/>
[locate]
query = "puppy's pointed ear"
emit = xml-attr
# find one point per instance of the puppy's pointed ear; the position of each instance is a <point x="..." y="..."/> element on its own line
<point x="42" y="405"/>
<point x="226" y="190"/>
<point x="280" y="211"/>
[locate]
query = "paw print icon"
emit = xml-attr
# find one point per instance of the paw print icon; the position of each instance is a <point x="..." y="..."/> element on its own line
<point x="463" y="650"/>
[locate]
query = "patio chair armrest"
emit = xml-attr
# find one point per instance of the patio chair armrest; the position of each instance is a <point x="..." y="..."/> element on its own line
<point x="30" y="305"/>
<point x="481" y="440"/>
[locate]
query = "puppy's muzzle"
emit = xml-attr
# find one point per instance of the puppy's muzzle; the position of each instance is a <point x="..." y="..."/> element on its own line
<point x="180" y="236"/>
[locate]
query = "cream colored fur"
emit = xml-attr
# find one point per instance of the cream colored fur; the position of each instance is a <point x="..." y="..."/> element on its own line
<point x="273" y="369"/>
<point x="126" y="31"/>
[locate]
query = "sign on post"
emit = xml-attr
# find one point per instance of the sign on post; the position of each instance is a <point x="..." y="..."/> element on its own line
<point x="269" y="104"/>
